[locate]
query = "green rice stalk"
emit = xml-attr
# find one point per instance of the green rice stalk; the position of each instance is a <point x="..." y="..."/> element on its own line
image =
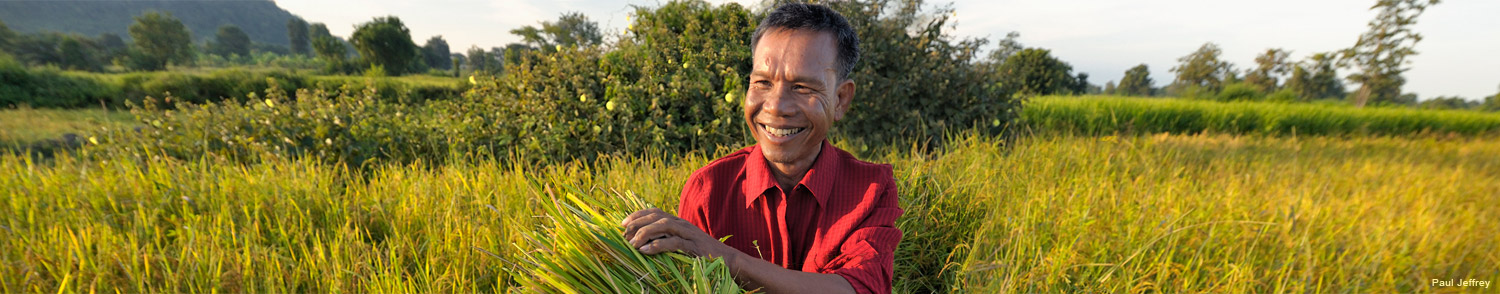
<point x="581" y="248"/>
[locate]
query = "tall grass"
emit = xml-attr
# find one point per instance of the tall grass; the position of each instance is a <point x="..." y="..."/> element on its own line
<point x="1059" y="213"/>
<point x="1107" y="115"/>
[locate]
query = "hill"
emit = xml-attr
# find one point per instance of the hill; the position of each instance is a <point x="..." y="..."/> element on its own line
<point x="261" y="19"/>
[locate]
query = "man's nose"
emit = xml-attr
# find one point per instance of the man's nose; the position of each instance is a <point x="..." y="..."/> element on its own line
<point x="781" y="102"/>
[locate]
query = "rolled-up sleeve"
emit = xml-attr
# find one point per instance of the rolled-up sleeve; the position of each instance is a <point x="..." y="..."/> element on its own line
<point x="867" y="257"/>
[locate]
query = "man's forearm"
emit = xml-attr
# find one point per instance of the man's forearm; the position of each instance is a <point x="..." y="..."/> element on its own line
<point x="756" y="273"/>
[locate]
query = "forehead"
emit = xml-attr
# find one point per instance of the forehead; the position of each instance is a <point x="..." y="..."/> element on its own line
<point x="795" y="50"/>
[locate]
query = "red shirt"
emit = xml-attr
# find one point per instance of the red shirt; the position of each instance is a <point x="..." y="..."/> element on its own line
<point x="840" y="219"/>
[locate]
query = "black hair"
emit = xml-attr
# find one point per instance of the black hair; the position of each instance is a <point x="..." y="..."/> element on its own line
<point x="814" y="17"/>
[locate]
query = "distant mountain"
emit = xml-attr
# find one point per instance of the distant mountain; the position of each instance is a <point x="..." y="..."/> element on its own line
<point x="261" y="19"/>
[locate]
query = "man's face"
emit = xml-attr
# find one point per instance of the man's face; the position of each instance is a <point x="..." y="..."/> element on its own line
<point x="795" y="94"/>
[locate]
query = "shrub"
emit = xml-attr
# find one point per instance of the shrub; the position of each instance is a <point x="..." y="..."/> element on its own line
<point x="676" y="80"/>
<point x="1240" y="92"/>
<point x="48" y="87"/>
<point x="1284" y="95"/>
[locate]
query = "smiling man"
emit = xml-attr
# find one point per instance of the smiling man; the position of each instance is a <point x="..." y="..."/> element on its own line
<point x="801" y="215"/>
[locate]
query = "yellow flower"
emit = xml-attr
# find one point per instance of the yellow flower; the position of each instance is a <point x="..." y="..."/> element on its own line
<point x="471" y="81"/>
<point x="93" y="140"/>
<point x="729" y="97"/>
<point x="583" y="97"/>
<point x="996" y="122"/>
<point x="269" y="103"/>
<point x="610" y="105"/>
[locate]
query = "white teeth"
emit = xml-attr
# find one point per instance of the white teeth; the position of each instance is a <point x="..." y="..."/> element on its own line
<point x="782" y="132"/>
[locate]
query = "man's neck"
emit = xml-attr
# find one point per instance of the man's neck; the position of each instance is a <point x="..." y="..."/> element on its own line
<point x="788" y="174"/>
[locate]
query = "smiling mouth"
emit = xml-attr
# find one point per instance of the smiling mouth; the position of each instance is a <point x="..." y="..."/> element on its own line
<point x="782" y="132"/>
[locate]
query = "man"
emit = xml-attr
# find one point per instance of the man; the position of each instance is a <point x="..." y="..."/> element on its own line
<point x="800" y="215"/>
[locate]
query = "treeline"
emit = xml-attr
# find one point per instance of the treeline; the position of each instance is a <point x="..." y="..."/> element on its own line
<point x="1376" y="60"/>
<point x="260" y="19"/>
<point x="53" y="88"/>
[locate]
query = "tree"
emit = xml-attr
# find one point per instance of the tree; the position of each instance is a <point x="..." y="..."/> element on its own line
<point x="477" y="59"/>
<point x="1033" y="71"/>
<point x="1109" y="88"/>
<point x="1137" y="82"/>
<point x="317" y="30"/>
<point x="1491" y="103"/>
<point x="1202" y="71"/>
<point x="1269" y="67"/>
<point x="1316" y="78"/>
<point x="386" y="42"/>
<point x="436" y="53"/>
<point x="159" y="39"/>
<point x="570" y="30"/>
<point x="78" y="54"/>
<point x="1448" y="102"/>
<point x="231" y="41"/>
<point x="513" y="53"/>
<point x="6" y="37"/>
<point x="1081" y="85"/>
<point x="1007" y="47"/>
<point x="111" y="46"/>
<point x="1380" y="53"/>
<point x="297" y="34"/>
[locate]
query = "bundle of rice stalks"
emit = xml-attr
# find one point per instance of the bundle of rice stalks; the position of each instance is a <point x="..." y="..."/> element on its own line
<point x="582" y="249"/>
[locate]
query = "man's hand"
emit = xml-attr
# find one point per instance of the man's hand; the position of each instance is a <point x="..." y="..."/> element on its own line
<point x="655" y="231"/>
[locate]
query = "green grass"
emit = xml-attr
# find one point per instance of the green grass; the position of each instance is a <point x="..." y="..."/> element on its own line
<point x="1167" y="213"/>
<point x="27" y="126"/>
<point x="1107" y="115"/>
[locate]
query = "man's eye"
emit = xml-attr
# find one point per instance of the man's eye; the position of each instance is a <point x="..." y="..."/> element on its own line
<point x="802" y="89"/>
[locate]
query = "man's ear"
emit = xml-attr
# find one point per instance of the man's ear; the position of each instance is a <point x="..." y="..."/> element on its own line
<point x="846" y="96"/>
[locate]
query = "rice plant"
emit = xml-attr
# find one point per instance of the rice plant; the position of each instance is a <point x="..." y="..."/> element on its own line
<point x="582" y="249"/>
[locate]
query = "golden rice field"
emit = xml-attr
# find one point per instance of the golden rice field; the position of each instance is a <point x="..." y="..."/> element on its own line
<point x="1055" y="213"/>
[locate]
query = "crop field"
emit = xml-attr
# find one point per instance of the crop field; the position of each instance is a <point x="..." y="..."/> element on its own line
<point x="1162" y="213"/>
<point x="1109" y="114"/>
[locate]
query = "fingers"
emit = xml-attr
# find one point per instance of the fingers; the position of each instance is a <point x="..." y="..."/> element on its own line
<point x="635" y="221"/>
<point x="667" y="244"/>
<point x="639" y="214"/>
<point x="661" y="228"/>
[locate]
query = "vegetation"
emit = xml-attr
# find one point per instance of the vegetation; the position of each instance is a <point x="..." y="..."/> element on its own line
<point x="1201" y="74"/>
<point x="1034" y="71"/>
<point x="1112" y="214"/>
<point x="159" y="39"/>
<point x="513" y="179"/>
<point x="230" y="42"/>
<point x="583" y="250"/>
<point x="1137" y="82"/>
<point x="297" y="35"/>
<point x="1110" y="115"/>
<point x="385" y="43"/>
<point x="1380" y="54"/>
<point x="50" y="88"/>
<point x="262" y="20"/>
<point x="53" y="128"/>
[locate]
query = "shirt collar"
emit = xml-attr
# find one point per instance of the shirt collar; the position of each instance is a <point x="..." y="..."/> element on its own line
<point x="819" y="178"/>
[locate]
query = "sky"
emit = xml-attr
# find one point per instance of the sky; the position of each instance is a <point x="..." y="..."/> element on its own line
<point x="1457" y="56"/>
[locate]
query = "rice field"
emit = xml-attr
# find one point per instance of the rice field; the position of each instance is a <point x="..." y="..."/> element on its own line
<point x="1102" y="115"/>
<point x="1050" y="213"/>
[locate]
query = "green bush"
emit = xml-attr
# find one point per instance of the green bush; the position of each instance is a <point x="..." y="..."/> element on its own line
<point x="48" y="87"/>
<point x="676" y="80"/>
<point x="1284" y="95"/>
<point x="1240" y="92"/>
